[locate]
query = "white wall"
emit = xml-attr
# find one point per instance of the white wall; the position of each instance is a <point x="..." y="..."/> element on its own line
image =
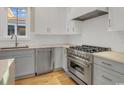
<point x="94" y="32"/>
<point x="47" y="39"/>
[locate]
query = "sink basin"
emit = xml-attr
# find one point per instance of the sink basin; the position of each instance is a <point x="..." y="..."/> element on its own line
<point x="15" y="47"/>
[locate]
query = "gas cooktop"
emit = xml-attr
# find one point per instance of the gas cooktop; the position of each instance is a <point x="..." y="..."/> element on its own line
<point x="90" y="49"/>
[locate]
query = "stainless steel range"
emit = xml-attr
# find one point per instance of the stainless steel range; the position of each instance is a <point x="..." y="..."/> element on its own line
<point x="80" y="62"/>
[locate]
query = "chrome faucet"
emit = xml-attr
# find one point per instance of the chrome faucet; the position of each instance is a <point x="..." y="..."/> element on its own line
<point x="16" y="43"/>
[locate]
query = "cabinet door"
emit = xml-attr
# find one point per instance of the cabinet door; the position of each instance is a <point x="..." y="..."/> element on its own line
<point x="57" y="58"/>
<point x="43" y="61"/>
<point x="41" y="20"/>
<point x="101" y="77"/>
<point x="112" y="65"/>
<point x="70" y="27"/>
<point x="116" y="16"/>
<point x="24" y="61"/>
<point x="64" y="60"/>
<point x="73" y="27"/>
<point x="24" y="65"/>
<point x="49" y="20"/>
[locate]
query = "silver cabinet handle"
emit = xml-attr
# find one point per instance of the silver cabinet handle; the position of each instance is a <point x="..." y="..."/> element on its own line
<point x="73" y="29"/>
<point x="109" y="22"/>
<point x="107" y="78"/>
<point x="107" y="64"/>
<point x="67" y="29"/>
<point x="48" y="29"/>
<point x="51" y="59"/>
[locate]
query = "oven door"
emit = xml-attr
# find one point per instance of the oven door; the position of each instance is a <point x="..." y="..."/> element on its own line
<point x="80" y="69"/>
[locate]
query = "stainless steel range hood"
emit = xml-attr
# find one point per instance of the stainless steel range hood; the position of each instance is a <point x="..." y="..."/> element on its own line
<point x="90" y="15"/>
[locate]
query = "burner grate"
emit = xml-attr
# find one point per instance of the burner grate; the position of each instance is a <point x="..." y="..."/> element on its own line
<point x="90" y="49"/>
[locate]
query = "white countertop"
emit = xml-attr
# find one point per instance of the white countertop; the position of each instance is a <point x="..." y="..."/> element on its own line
<point x="111" y="55"/>
<point x="41" y="46"/>
<point x="50" y="46"/>
<point x="4" y="65"/>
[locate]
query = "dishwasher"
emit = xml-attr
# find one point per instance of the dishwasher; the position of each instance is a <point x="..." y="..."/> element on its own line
<point x="44" y="60"/>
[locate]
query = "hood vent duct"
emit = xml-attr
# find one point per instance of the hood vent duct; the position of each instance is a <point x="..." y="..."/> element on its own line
<point x="90" y="15"/>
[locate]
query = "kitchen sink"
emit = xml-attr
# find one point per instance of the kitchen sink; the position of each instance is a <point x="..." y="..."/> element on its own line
<point x="4" y="48"/>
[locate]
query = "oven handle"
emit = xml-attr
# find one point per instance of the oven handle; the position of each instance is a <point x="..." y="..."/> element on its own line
<point x="80" y="59"/>
<point x="77" y="58"/>
<point x="86" y="65"/>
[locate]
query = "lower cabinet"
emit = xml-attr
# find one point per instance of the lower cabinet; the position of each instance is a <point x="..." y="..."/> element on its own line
<point x="64" y="60"/>
<point x="24" y="61"/>
<point x="25" y="65"/>
<point x="44" y="61"/>
<point x="106" y="76"/>
<point x="57" y="57"/>
<point x="31" y="61"/>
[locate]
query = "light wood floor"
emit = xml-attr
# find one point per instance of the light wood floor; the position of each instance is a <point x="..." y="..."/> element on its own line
<point x="53" y="78"/>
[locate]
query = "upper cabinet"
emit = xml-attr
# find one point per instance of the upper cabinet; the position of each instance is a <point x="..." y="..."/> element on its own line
<point x="73" y="27"/>
<point x="85" y="13"/>
<point x="3" y="22"/>
<point x="49" y="20"/>
<point x="116" y="16"/>
<point x="63" y="21"/>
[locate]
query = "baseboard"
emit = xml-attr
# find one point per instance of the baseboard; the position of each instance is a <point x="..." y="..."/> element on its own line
<point x="32" y="75"/>
<point x="57" y="69"/>
<point x="25" y="76"/>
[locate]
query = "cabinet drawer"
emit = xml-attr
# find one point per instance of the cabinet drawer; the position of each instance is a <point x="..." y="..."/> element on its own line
<point x="115" y="66"/>
<point x="16" y="52"/>
<point x="103" y="76"/>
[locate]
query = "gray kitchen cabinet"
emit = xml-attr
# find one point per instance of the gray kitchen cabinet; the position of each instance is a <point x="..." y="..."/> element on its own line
<point x="112" y="65"/>
<point x="44" y="61"/>
<point x="64" y="56"/>
<point x="25" y="65"/>
<point x="116" y="21"/>
<point x="57" y="58"/>
<point x="107" y="72"/>
<point x="24" y="61"/>
<point x="101" y="77"/>
<point x="60" y="58"/>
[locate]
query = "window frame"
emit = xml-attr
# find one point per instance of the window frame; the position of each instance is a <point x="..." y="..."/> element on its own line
<point x="27" y="32"/>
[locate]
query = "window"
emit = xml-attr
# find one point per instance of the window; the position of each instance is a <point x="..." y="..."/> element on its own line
<point x="11" y="29"/>
<point x="18" y="21"/>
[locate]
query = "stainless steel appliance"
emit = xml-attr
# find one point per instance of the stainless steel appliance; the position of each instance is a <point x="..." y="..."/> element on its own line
<point x="44" y="62"/>
<point x="80" y="61"/>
